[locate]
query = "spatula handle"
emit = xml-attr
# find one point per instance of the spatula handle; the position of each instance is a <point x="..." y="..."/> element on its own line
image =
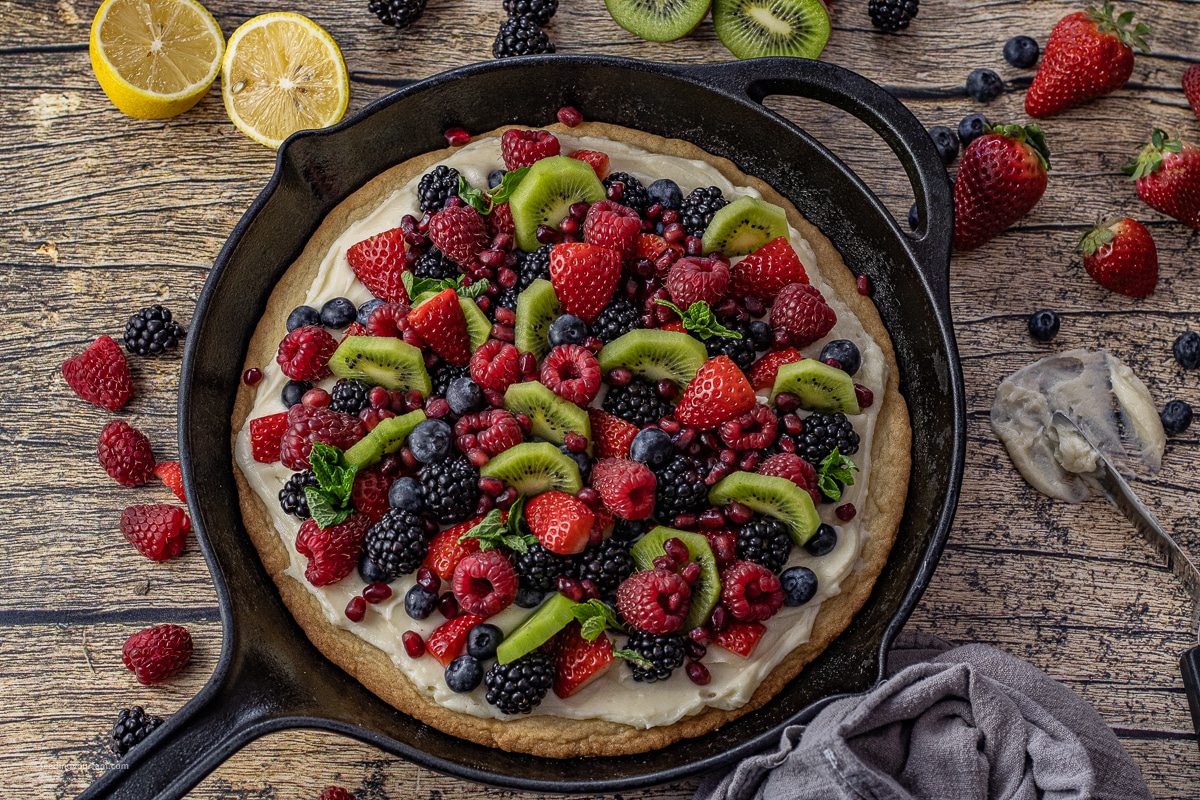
<point x="1189" y="663"/>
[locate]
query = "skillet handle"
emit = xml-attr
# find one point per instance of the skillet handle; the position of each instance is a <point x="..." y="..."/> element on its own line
<point x="1189" y="663"/>
<point x="759" y="78"/>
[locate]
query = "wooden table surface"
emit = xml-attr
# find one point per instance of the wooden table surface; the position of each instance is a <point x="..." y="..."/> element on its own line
<point x="102" y="215"/>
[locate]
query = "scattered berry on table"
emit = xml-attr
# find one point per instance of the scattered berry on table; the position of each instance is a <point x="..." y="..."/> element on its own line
<point x="666" y="193"/>
<point x="1191" y="88"/>
<point x="540" y="11"/>
<point x="158" y="532"/>
<point x="892" y="15"/>
<point x="464" y="674"/>
<point x="483" y="639"/>
<point x="397" y="544"/>
<point x="431" y="441"/>
<point x="766" y="541"/>
<point x="292" y="498"/>
<point x="125" y="454"/>
<point x="519" y="686"/>
<point x="133" y="725"/>
<point x="151" y="331"/>
<point x="451" y="489"/>
<point x="100" y="375"/>
<point x="1043" y="325"/>
<point x="397" y="13"/>
<point x="333" y="552"/>
<point x="158" y="653"/>
<point x="1120" y="255"/>
<point x="681" y="488"/>
<point x="618" y="318"/>
<point x="971" y="127"/>
<point x="632" y="193"/>
<point x="698" y="208"/>
<point x="1176" y="416"/>
<point x="638" y="403"/>
<point x="1021" y="51"/>
<point x="946" y="142"/>
<point x="845" y="352"/>
<point x="665" y="652"/>
<point x="336" y="793"/>
<point x="799" y="585"/>
<point x="1167" y="176"/>
<point x="984" y="85"/>
<point x="822" y="542"/>
<point x="302" y="317"/>
<point x="436" y="187"/>
<point x="170" y="473"/>
<point x="1001" y="177"/>
<point x="1187" y="350"/>
<point x="520" y="37"/>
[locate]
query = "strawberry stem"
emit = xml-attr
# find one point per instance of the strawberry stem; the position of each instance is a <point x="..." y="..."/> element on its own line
<point x="1119" y="26"/>
<point x="1150" y="160"/>
<point x="1031" y="135"/>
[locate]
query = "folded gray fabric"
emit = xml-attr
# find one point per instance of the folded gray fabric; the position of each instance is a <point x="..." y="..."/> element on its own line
<point x="968" y="723"/>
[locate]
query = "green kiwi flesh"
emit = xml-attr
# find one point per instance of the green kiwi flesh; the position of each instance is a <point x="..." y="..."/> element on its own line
<point x="754" y="28"/>
<point x="743" y="226"/>
<point x="553" y="417"/>
<point x="546" y="194"/>
<point x="550" y="617"/>
<point x="479" y="327"/>
<point x="655" y="355"/>
<point x="706" y="591"/>
<point x="658" y="20"/>
<point x="820" y="387"/>
<point x="537" y="307"/>
<point x="775" y="497"/>
<point x="386" y="437"/>
<point x="534" y="467"/>
<point x="382" y="361"/>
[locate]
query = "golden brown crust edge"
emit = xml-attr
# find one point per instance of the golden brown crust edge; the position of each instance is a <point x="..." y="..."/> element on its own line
<point x="558" y="737"/>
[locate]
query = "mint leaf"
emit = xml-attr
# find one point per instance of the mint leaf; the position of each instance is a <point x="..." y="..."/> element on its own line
<point x="634" y="657"/>
<point x="325" y="510"/>
<point x="419" y="286"/>
<point x="473" y="197"/>
<point x="473" y="290"/>
<point x="700" y="320"/>
<point x="325" y="461"/>
<point x="508" y="185"/>
<point x="484" y="201"/>
<point x="493" y="531"/>
<point x="835" y="467"/>
<point x="407" y="278"/>
<point x="593" y="617"/>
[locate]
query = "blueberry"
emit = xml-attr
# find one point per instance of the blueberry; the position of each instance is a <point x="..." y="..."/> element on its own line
<point x="463" y="674"/>
<point x="407" y="493"/>
<point x="846" y="353"/>
<point x="582" y="460"/>
<point x="528" y="598"/>
<point x="653" y="447"/>
<point x="293" y="391"/>
<point x="823" y="541"/>
<point x="984" y="85"/>
<point x="482" y="641"/>
<point x="666" y="193"/>
<point x="914" y="218"/>
<point x="799" y="585"/>
<point x="369" y="571"/>
<point x="1176" y="416"/>
<point x="495" y="177"/>
<point x="761" y="334"/>
<point x="419" y="603"/>
<point x="364" y="311"/>
<point x="971" y="128"/>
<point x="1043" y="325"/>
<point x="464" y="396"/>
<point x="946" y="142"/>
<point x="1187" y="350"/>
<point x="430" y="441"/>
<point x="1021" y="51"/>
<point x="338" y="313"/>
<point x="302" y="316"/>
<point x="567" y="329"/>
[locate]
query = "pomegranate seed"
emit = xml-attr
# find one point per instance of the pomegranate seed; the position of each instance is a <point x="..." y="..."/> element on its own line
<point x="754" y="307"/>
<point x="379" y="397"/>
<point x="670" y="426"/>
<point x="408" y="459"/>
<point x="457" y="136"/>
<point x="864" y="285"/>
<point x="430" y="358"/>
<point x="504" y="242"/>
<point x="485" y="503"/>
<point x="412" y="256"/>
<point x="644" y="268"/>
<point x="389" y="465"/>
<point x="506" y="316"/>
<point x="677" y="550"/>
<point x="694" y="246"/>
<point x="724" y="547"/>
<point x="750" y="461"/>
<point x="408" y="223"/>
<point x="356" y="609"/>
<point x="478" y="458"/>
<point x="492" y="258"/>
<point x="728" y="456"/>
<point x="569" y="116"/>
<point x="546" y="235"/>
<point x="506" y="498"/>
<point x="506" y="278"/>
<point x="447" y="606"/>
<point x="698" y="673"/>
<point x="700" y="636"/>
<point x="864" y="395"/>
<point x="428" y="580"/>
<point x="654" y="210"/>
<point x="719" y="620"/>
<point x="525" y="422"/>
<point x="593" y="344"/>
<point x="782" y="338"/>
<point x="690" y="573"/>
<point x="694" y="649"/>
<point x="738" y="513"/>
<point x="595" y="536"/>
<point x="589" y="497"/>
<point x="621" y="376"/>
<point x="786" y="443"/>
<point x="569" y="587"/>
<point x="576" y="443"/>
<point x="665" y="562"/>
<point x="711" y="520"/>
<point x="670" y="215"/>
<point x="414" y="645"/>
<point x="718" y="472"/>
<point x="413" y="400"/>
<point x="786" y="402"/>
<point x="569" y="226"/>
<point x="674" y="233"/>
<point x="793" y="424"/>
<point x="423" y="223"/>
<point x="437" y="407"/>
<point x="683" y="440"/>
<point x="494" y="399"/>
<point x="684" y="522"/>
<point x="376" y="593"/>
<point x="675" y="602"/>
<point x="578" y="210"/>
<point x="845" y="512"/>
<point x="615" y="192"/>
<point x="252" y="376"/>
<point x="467" y="442"/>
<point x="663" y="263"/>
<point x="316" y="398"/>
<point x="667" y="389"/>
<point x="832" y="362"/>
<point x="590" y="590"/>
<point x="503" y="332"/>
<point x="492" y="487"/>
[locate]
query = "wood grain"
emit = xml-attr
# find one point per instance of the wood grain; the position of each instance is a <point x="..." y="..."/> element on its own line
<point x="103" y="214"/>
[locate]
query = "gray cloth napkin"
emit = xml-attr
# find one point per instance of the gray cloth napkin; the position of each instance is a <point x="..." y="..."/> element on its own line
<point x="965" y="723"/>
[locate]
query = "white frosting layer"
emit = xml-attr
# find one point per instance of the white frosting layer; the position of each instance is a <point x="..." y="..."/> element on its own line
<point x="614" y="696"/>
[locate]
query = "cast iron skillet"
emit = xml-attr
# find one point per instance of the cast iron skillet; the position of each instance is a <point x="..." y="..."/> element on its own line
<point x="270" y="677"/>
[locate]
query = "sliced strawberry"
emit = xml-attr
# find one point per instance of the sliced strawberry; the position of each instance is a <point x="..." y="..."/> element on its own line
<point x="578" y="662"/>
<point x="597" y="160"/>
<point x="651" y="247"/>
<point x="560" y="522"/>
<point x="445" y="551"/>
<point x="740" y="637"/>
<point x="169" y="473"/>
<point x="266" y="434"/>
<point x="718" y="393"/>
<point x="675" y="325"/>
<point x="763" y="372"/>
<point x="611" y="435"/>
<point x="626" y="487"/>
<point x="449" y="640"/>
<point x="378" y="262"/>
<point x="767" y="270"/>
<point x="584" y="277"/>
<point x="441" y="323"/>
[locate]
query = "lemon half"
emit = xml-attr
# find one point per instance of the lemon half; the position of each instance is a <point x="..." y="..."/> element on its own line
<point x="283" y="73"/>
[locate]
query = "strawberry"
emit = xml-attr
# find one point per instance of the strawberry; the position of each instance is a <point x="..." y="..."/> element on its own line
<point x="494" y="431"/>
<point x="584" y="277"/>
<point x="651" y="247"/>
<point x="496" y="365"/>
<point x="307" y="425"/>
<point x="740" y="637"/>
<point x="614" y="226"/>
<point x="354" y="329"/>
<point x="522" y="148"/>
<point x="1120" y="256"/>
<point x="169" y="473"/>
<point x="445" y="551"/>
<point x="332" y="552"/>
<point x="767" y="270"/>
<point x="158" y="531"/>
<point x="370" y="493"/>
<point x="626" y="487"/>
<point x="336" y="793"/>
<point x="1001" y="177"/>
<point x="485" y="583"/>
<point x="1191" y="88"/>
<point x="1088" y="54"/>
<point x="100" y="374"/>
<point x="305" y="352"/>
<point x="597" y="160"/>
<point x="460" y="233"/>
<point x="611" y="435"/>
<point x="378" y="263"/>
<point x="449" y="639"/>
<point x="572" y="372"/>
<point x="654" y="601"/>
<point x="125" y="453"/>
<point x="441" y="323"/>
<point x="266" y="435"/>
<point x="762" y="372"/>
<point x="795" y="469"/>
<point x="577" y="662"/>
<point x="800" y="310"/>
<point x="560" y="522"/>
<point x="1167" y="174"/>
<point x="158" y="653"/>
<point x="750" y="591"/>
<point x="718" y="393"/>
<point x="675" y="325"/>
<point x="697" y="280"/>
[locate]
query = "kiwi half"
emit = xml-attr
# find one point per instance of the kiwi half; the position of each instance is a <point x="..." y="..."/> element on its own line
<point x="743" y="226"/>
<point x="537" y="307"/>
<point x="775" y="497"/>
<point x="820" y="387"/>
<point x="706" y="591"/>
<point x="534" y="467"/>
<point x="754" y="28"/>
<point x="479" y="327"/>
<point x="553" y="418"/>
<point x="386" y="437"/>
<point x="550" y="617"/>
<point x="658" y="20"/>
<point x="383" y="361"/>
<point x="546" y="194"/>
<point x="655" y="355"/>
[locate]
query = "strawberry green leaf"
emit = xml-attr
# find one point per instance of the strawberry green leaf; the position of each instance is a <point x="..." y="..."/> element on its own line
<point x="700" y="320"/>
<point x="835" y="467"/>
<point x="634" y="657"/>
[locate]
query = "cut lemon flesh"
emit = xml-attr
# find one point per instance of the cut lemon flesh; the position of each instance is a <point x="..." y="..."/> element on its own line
<point x="283" y="73"/>
<point x="155" y="58"/>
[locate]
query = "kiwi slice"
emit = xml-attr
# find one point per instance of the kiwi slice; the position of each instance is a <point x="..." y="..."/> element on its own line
<point x="658" y="20"/>
<point x="553" y="418"/>
<point x="479" y="328"/>
<point x="534" y="467"/>
<point x="655" y="355"/>
<point x="550" y="617"/>
<point x="753" y="28"/>
<point x="547" y="192"/>
<point x="386" y="437"/>
<point x="743" y="226"/>
<point x="820" y="387"/>
<point x="775" y="497"/>
<point x="537" y="307"/>
<point x="707" y="590"/>
<point x="383" y="361"/>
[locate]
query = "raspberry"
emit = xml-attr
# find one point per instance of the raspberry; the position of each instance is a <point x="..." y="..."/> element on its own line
<point x="655" y="601"/>
<point x="495" y="431"/>
<point x="169" y="473"/>
<point x="485" y="583"/>
<point x="795" y="469"/>
<point x="157" y="531"/>
<point x="459" y="232"/>
<point x="307" y="425"/>
<point x="370" y="493"/>
<point x="266" y="435"/>
<point x="522" y="148"/>
<point x="572" y="372"/>
<point x="100" y="374"/>
<point x="614" y="226"/>
<point x="750" y="591"/>
<point x="388" y="319"/>
<point x="801" y="310"/>
<point x="626" y="487"/>
<point x="500" y="221"/>
<point x="754" y="430"/>
<point x="125" y="454"/>
<point x="496" y="365"/>
<point x="332" y="552"/>
<point x="156" y="654"/>
<point x="304" y="353"/>
<point x="693" y="280"/>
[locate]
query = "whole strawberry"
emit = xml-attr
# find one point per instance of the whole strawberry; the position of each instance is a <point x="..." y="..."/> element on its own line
<point x="698" y="280"/>
<point x="159" y="532"/>
<point x="560" y="522"/>
<point x="332" y="552"/>
<point x="157" y="654"/>
<point x="125" y="454"/>
<point x="1001" y="177"/>
<point x="100" y="374"/>
<point x="1120" y="256"/>
<point x="1089" y="54"/>
<point x="460" y="233"/>
<point x="1191" y="88"/>
<point x="379" y="263"/>
<point x="800" y="310"/>
<point x="1167" y="175"/>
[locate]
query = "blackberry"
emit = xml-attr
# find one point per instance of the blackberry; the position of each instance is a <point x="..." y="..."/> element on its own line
<point x="606" y="565"/>
<point x="633" y="195"/>
<point x="531" y="266"/>
<point x="639" y="403"/>
<point x="520" y="37"/>
<point x="629" y="532"/>
<point x="397" y="13"/>
<point x="133" y="725"/>
<point x="698" y="208"/>
<point x="740" y="350"/>
<point x="443" y="373"/>
<point x="519" y="686"/>
<point x="437" y="187"/>
<point x="766" y="541"/>
<point x="349" y="396"/>
<point x="538" y="569"/>
<point x="892" y="15"/>
<point x="664" y="651"/>
<point x="451" y="489"/>
<point x="822" y="433"/>
<point x="433" y="263"/>
<point x="151" y="331"/>
<point x="618" y="318"/>
<point x="681" y="489"/>
<point x="397" y="544"/>
<point x="506" y="299"/>
<point x="291" y="497"/>
<point x="540" y="11"/>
